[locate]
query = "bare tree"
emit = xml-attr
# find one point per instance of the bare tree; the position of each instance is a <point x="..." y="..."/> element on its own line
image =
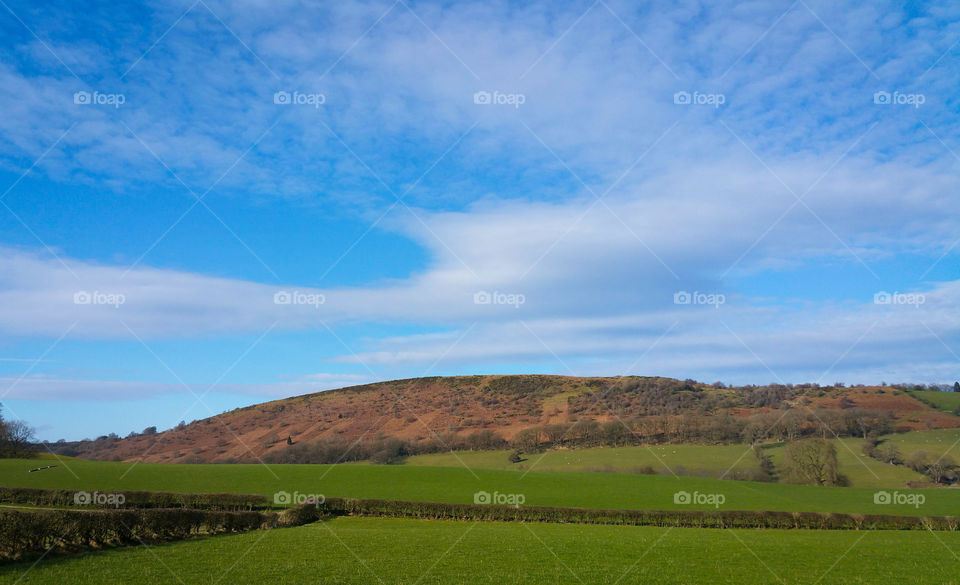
<point x="15" y="438"/>
<point x="942" y="469"/>
<point x="812" y="461"/>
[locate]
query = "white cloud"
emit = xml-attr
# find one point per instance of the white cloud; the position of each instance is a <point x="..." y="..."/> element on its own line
<point x="44" y="388"/>
<point x="597" y="282"/>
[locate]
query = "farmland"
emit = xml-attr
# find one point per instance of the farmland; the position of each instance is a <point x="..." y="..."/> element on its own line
<point x="458" y="485"/>
<point x="374" y="550"/>
<point x="939" y="442"/>
<point x="712" y="461"/>
<point x="947" y="401"/>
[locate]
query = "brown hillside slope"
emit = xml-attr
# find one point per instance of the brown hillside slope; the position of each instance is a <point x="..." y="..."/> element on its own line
<point x="422" y="408"/>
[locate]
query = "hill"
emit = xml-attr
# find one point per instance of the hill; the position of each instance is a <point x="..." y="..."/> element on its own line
<point x="440" y="413"/>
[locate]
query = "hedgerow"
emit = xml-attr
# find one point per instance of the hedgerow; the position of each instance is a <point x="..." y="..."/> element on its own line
<point x="31" y="531"/>
<point x="663" y="518"/>
<point x="135" y="499"/>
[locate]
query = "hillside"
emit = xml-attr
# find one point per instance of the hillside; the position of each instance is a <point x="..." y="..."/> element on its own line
<point x="447" y="410"/>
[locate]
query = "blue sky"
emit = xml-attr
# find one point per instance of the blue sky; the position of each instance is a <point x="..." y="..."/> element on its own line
<point x="151" y="162"/>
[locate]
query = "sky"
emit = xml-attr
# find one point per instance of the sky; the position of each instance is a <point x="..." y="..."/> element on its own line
<point x="210" y="204"/>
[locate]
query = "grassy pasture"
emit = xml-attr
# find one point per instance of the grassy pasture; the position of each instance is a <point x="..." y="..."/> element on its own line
<point x="712" y="459"/>
<point x="937" y="443"/>
<point x="458" y="484"/>
<point x="947" y="401"/>
<point x="387" y="551"/>
<point x="700" y="460"/>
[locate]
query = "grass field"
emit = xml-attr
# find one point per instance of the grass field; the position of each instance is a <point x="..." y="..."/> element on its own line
<point x="700" y="460"/>
<point x="458" y="484"/>
<point x="713" y="459"/>
<point x="936" y="443"/>
<point x="947" y="401"/>
<point x="863" y="471"/>
<point x="387" y="551"/>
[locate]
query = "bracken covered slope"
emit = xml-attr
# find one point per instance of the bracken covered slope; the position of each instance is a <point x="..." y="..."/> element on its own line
<point x="422" y="408"/>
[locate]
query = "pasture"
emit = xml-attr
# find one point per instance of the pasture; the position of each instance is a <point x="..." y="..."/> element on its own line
<point x="946" y="401"/>
<point x="710" y="461"/>
<point x="459" y="484"/>
<point x="382" y="551"/>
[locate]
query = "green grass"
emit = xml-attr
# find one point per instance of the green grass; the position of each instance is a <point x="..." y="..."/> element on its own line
<point x="936" y="443"/>
<point x="712" y="459"/>
<point x="862" y="471"/>
<point x="947" y="401"/>
<point x="387" y="551"/>
<point x="699" y="460"/>
<point x="458" y="484"/>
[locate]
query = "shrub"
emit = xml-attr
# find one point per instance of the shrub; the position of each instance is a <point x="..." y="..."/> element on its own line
<point x="23" y="532"/>
<point x="138" y="499"/>
<point x="678" y="518"/>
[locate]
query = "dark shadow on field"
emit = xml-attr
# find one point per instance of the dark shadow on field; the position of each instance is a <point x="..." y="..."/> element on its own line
<point x="17" y="568"/>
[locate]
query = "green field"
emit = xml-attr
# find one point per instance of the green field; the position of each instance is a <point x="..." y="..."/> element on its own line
<point x="387" y="551"/>
<point x="698" y="460"/>
<point x="458" y="484"/>
<point x="714" y="460"/>
<point x="948" y="401"/>
<point x="936" y="443"/>
<point x="863" y="471"/>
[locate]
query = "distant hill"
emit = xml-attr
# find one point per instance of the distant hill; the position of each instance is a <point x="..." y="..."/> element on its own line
<point x="443" y="409"/>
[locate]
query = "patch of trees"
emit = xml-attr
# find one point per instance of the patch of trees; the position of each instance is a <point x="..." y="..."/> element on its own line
<point x="942" y="469"/>
<point x="782" y="426"/>
<point x="887" y="452"/>
<point x="812" y="461"/>
<point x="16" y="438"/>
<point x="955" y="387"/>
<point x="382" y="449"/>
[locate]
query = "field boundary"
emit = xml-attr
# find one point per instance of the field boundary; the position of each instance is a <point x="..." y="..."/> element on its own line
<point x="661" y="518"/>
<point x="24" y="532"/>
<point x="59" y="498"/>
